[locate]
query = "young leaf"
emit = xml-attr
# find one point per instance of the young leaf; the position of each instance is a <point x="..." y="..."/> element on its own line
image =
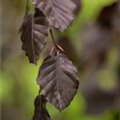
<point x="60" y="13"/>
<point x="40" y="112"/>
<point x="58" y="80"/>
<point x="34" y="32"/>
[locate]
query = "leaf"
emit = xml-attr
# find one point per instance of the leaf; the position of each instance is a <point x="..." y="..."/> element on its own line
<point x="60" y="13"/>
<point x="34" y="31"/>
<point x="40" y="112"/>
<point x="58" y="80"/>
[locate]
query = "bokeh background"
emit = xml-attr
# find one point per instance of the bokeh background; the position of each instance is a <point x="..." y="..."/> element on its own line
<point x="92" y="43"/>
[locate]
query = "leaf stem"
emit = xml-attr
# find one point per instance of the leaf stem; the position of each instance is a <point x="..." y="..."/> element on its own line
<point x="27" y="8"/>
<point x="54" y="42"/>
<point x="53" y="39"/>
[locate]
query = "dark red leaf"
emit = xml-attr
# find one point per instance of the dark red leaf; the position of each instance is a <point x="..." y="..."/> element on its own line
<point x="60" y="13"/>
<point x="40" y="112"/>
<point x="58" y="80"/>
<point x="34" y="31"/>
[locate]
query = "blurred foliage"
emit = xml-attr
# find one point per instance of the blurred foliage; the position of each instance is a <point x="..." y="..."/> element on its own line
<point x="19" y="88"/>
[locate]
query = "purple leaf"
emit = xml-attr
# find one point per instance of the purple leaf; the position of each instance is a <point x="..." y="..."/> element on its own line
<point x="60" y="13"/>
<point x="34" y="31"/>
<point x="58" y="80"/>
<point x="40" y="112"/>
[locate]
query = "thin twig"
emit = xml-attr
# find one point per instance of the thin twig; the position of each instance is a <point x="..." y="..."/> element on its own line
<point x="27" y="8"/>
<point x="26" y="14"/>
<point x="53" y="39"/>
<point x="54" y="42"/>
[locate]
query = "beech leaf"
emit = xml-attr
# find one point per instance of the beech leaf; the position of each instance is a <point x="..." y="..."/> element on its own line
<point x="60" y="13"/>
<point x="40" y="112"/>
<point x="34" y="31"/>
<point x="58" y="80"/>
